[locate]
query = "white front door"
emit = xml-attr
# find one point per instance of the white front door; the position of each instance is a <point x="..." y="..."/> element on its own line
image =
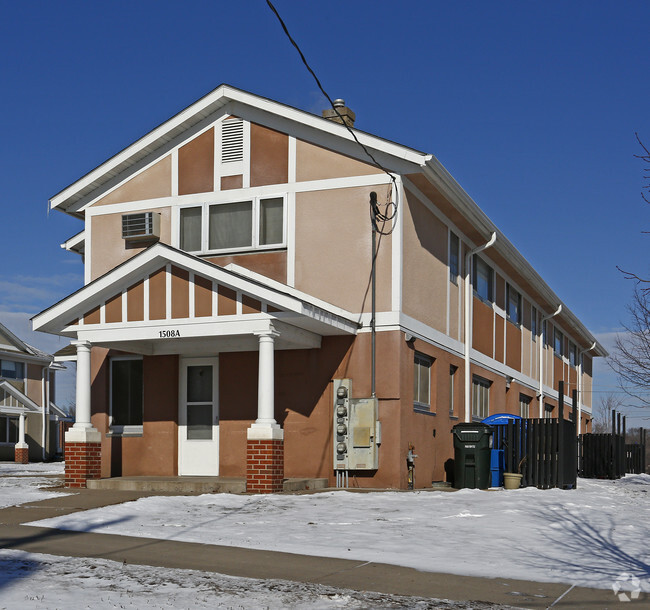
<point x="198" y="417"/>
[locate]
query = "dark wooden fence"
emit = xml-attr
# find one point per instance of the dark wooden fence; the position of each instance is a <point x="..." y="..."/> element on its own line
<point x="545" y="451"/>
<point x="607" y="456"/>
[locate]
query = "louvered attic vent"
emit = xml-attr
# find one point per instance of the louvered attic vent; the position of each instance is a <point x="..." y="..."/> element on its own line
<point x="143" y="226"/>
<point x="232" y="140"/>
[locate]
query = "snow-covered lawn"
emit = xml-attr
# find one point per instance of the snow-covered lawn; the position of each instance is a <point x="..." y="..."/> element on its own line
<point x="587" y="537"/>
<point x="31" y="581"/>
<point x="21" y="483"/>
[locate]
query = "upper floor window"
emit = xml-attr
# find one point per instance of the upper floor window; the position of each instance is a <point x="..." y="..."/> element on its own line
<point x="241" y="225"/>
<point x="483" y="280"/>
<point x="573" y="354"/>
<point x="533" y="322"/>
<point x="12" y="370"/>
<point x="422" y="382"/>
<point x="558" y="343"/>
<point x="454" y="268"/>
<point x="524" y="405"/>
<point x="514" y="305"/>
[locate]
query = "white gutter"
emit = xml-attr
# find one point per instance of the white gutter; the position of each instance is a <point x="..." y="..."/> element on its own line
<point x="580" y="367"/>
<point x="541" y="341"/>
<point x="469" y="322"/>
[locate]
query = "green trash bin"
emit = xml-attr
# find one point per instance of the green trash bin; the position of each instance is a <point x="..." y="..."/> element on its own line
<point x="472" y="453"/>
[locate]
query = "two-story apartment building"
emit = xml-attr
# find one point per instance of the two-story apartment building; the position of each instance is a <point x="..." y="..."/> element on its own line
<point x="30" y="420"/>
<point x="224" y="327"/>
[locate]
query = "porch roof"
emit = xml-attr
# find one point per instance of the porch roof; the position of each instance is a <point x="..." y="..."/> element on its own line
<point x="165" y="301"/>
<point x="14" y="402"/>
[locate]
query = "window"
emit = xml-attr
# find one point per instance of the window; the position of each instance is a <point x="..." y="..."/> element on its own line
<point x="8" y="430"/>
<point x="480" y="397"/>
<point x="238" y="225"/>
<point x="126" y="395"/>
<point x="573" y="354"/>
<point x="558" y="341"/>
<point x="452" y="397"/>
<point x="12" y="370"/>
<point x="514" y="305"/>
<point x="548" y="411"/>
<point x="483" y="280"/>
<point x="422" y="383"/>
<point x="453" y="257"/>
<point x="533" y="322"/>
<point x="524" y="406"/>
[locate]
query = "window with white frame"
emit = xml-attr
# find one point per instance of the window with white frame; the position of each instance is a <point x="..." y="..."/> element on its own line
<point x="480" y="397"/>
<point x="513" y="304"/>
<point x="12" y="370"/>
<point x="573" y="354"/>
<point x="454" y="268"/>
<point x="8" y="430"/>
<point x="483" y="280"/>
<point x="127" y="395"/>
<point x="558" y="343"/>
<point x="422" y="382"/>
<point x="524" y="406"/>
<point x="253" y="224"/>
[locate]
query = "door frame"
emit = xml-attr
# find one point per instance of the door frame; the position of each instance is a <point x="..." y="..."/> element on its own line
<point x="184" y="467"/>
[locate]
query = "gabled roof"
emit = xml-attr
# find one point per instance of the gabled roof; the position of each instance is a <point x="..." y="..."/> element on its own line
<point x="288" y="304"/>
<point x="10" y="344"/>
<point x="242" y="104"/>
<point x="25" y="404"/>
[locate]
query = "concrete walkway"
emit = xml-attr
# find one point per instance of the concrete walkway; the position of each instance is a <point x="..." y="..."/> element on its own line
<point x="344" y="573"/>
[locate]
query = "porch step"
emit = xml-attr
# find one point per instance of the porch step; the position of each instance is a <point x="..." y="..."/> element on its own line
<point x="180" y="485"/>
<point x="304" y="484"/>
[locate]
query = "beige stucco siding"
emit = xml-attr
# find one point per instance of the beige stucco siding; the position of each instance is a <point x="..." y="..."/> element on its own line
<point x="152" y="183"/>
<point x="317" y="163"/>
<point x="425" y="274"/>
<point x="333" y="249"/>
<point x="108" y="249"/>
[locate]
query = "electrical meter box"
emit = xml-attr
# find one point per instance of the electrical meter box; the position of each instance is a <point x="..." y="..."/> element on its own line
<point x="357" y="430"/>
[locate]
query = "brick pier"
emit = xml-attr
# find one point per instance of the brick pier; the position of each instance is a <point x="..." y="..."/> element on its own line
<point x="264" y="466"/>
<point x="82" y="462"/>
<point x="21" y="455"/>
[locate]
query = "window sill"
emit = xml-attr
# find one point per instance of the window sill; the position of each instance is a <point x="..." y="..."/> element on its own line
<point x="125" y="431"/>
<point x="239" y="251"/>
<point x="454" y="417"/>
<point x="423" y="410"/>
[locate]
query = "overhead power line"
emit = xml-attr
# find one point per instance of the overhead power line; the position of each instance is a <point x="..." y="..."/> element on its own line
<point x="376" y="213"/>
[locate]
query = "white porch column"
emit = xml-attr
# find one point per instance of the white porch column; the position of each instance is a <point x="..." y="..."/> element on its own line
<point x="82" y="415"/>
<point x="21" y="432"/>
<point x="265" y="427"/>
<point x="83" y="431"/>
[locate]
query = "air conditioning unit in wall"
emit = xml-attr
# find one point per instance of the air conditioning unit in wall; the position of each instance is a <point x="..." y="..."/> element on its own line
<point x="143" y="226"/>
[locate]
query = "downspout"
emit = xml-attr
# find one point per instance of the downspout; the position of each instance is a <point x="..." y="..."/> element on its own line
<point x="469" y="322"/>
<point x="45" y="409"/>
<point x="542" y="335"/>
<point x="581" y="353"/>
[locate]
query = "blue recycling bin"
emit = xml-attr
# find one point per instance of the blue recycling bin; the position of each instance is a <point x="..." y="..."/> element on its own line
<point x="497" y="467"/>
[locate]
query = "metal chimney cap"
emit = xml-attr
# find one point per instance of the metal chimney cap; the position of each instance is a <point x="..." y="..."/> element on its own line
<point x="339" y="103"/>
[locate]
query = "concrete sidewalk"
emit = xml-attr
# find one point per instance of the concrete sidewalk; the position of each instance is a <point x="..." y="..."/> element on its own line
<point x="234" y="561"/>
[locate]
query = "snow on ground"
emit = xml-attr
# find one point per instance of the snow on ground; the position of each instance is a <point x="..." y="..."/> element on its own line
<point x="587" y="537"/>
<point x="21" y="483"/>
<point x="32" y="581"/>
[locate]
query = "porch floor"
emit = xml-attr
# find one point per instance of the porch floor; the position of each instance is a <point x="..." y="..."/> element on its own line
<point x="180" y="485"/>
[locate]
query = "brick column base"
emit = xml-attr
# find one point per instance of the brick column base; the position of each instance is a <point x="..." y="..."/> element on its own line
<point x="264" y="466"/>
<point x="21" y="455"/>
<point x="82" y="462"/>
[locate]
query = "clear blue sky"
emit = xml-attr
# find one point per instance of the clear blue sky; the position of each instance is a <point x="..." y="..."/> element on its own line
<point x="532" y="106"/>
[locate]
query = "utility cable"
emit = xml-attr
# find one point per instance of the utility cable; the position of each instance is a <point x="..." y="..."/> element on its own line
<point x="375" y="211"/>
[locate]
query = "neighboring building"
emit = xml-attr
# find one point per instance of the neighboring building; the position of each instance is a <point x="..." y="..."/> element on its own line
<point x="30" y="422"/>
<point x="227" y="306"/>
